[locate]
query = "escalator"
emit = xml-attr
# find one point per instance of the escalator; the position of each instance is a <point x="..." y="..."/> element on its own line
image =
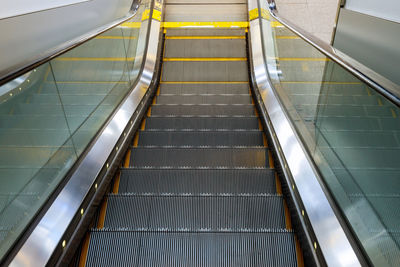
<point x="193" y="133"/>
<point x="198" y="186"/>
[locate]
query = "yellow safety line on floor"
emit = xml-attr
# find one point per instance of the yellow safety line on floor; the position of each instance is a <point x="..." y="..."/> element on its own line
<point x="287" y="37"/>
<point x="203" y="37"/>
<point x="95" y="59"/>
<point x="202" y="82"/>
<point x="116" y="183"/>
<point x="368" y="91"/>
<point x="380" y="102"/>
<point x="84" y="251"/>
<point x="205" y="59"/>
<point x="206" y="24"/>
<point x="115" y="37"/>
<point x="131" y="25"/>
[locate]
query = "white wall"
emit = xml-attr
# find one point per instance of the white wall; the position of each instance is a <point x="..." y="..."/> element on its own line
<point x="315" y="16"/>
<point x="384" y="9"/>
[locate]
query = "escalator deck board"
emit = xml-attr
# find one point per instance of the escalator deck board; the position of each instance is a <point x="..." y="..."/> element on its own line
<point x="126" y="248"/>
<point x="195" y="213"/>
<point x="199" y="157"/>
<point x="197" y="182"/>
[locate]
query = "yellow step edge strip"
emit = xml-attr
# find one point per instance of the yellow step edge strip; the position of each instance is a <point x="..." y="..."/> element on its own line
<point x="177" y="82"/>
<point x="131" y="24"/>
<point x="206" y="24"/>
<point x="95" y="58"/>
<point x="203" y="37"/>
<point x="205" y="59"/>
<point x="276" y="24"/>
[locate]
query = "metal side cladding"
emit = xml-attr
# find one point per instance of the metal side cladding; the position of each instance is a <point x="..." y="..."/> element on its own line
<point x="47" y="235"/>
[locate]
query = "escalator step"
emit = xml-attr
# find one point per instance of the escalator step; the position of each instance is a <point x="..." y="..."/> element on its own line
<point x="185" y="138"/>
<point x="205" y="48"/>
<point x="195" y="213"/>
<point x="204" y="99"/>
<point x="201" y="71"/>
<point x="208" y="88"/>
<point x="196" y="110"/>
<point x="199" y="157"/>
<point x="205" y="32"/>
<point x="197" y="123"/>
<point x="197" y="182"/>
<point x="108" y="248"/>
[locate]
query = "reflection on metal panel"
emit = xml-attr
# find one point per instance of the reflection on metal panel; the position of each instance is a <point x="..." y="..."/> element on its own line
<point x="372" y="41"/>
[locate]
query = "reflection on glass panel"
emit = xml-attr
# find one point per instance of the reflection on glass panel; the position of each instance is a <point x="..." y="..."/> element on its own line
<point x="34" y="150"/>
<point x="50" y="115"/>
<point x="352" y="132"/>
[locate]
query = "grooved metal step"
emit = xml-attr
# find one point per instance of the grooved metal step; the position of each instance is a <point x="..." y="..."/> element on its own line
<point x="208" y="88"/>
<point x="128" y="248"/>
<point x="199" y="157"/>
<point x="204" y="99"/>
<point x="205" y="71"/>
<point x="197" y="182"/>
<point x="184" y="138"/>
<point x="197" y="123"/>
<point x="210" y="110"/>
<point x="195" y="213"/>
<point x="207" y="48"/>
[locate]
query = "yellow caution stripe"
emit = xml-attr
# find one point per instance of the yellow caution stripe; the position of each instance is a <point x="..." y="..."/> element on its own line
<point x="131" y="24"/>
<point x="206" y="24"/>
<point x="253" y="14"/>
<point x="276" y="24"/>
<point x="205" y="59"/>
<point x="203" y="37"/>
